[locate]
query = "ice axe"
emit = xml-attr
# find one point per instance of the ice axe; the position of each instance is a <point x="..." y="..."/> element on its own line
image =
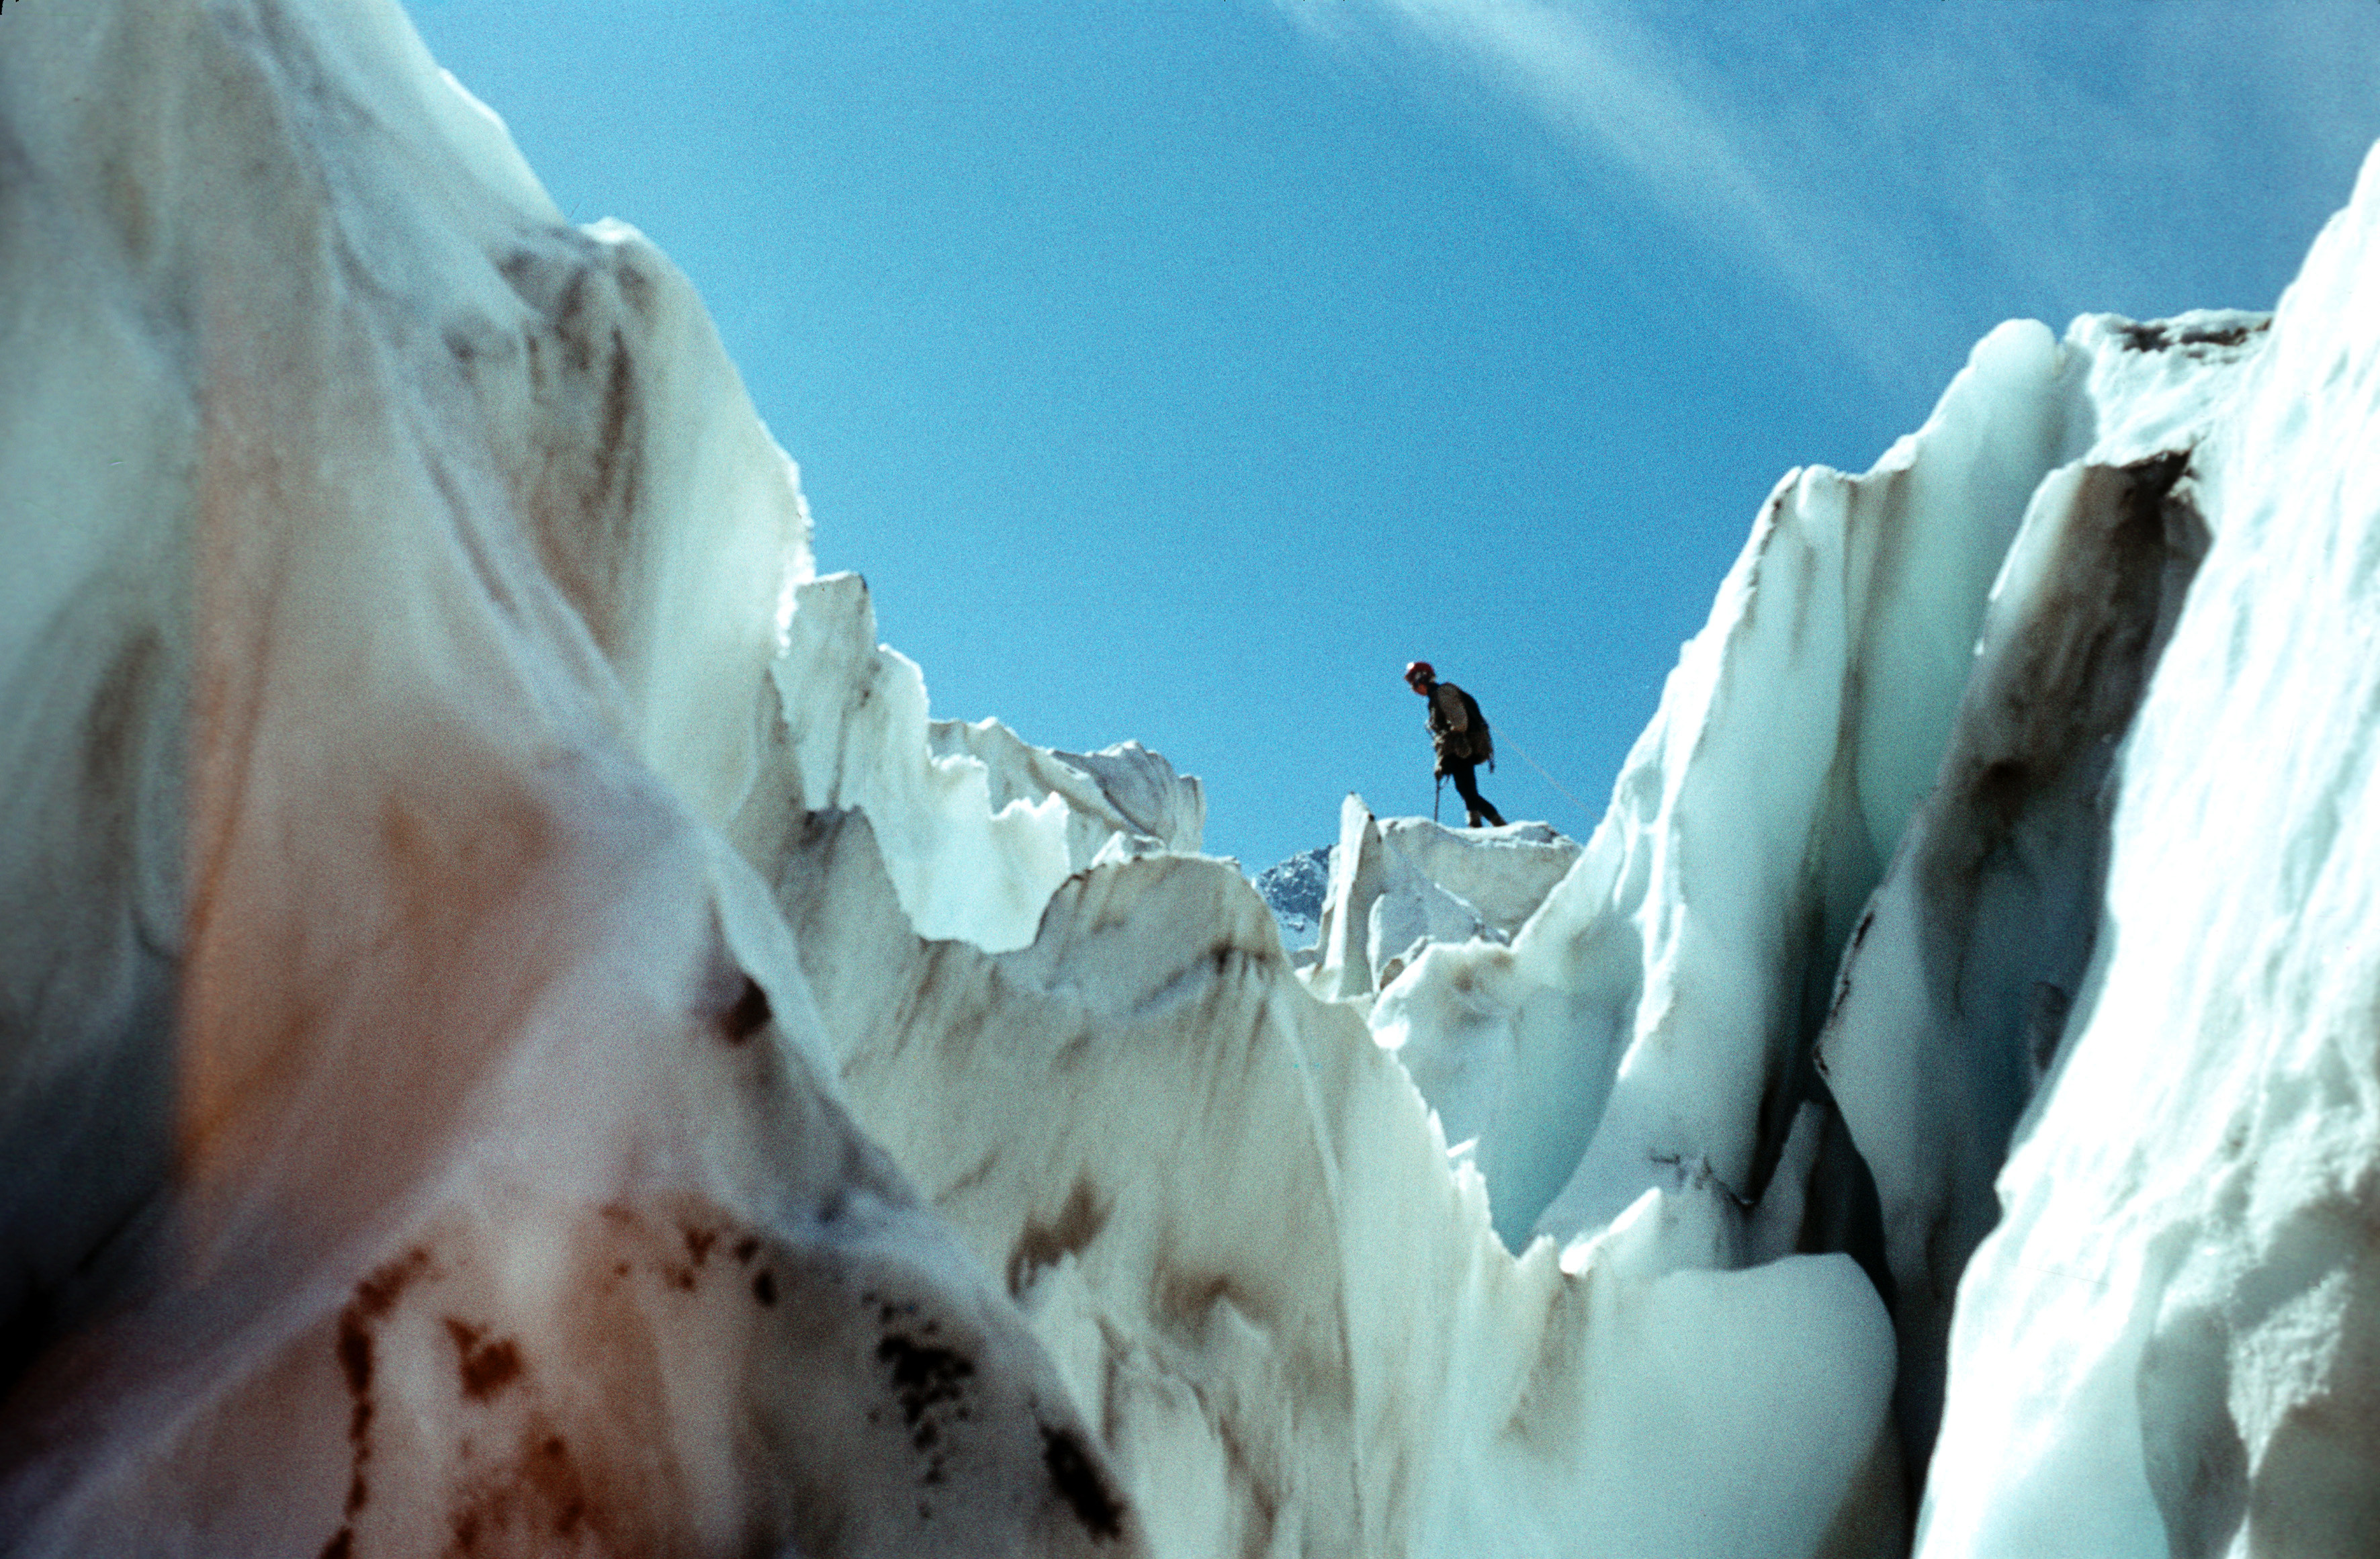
<point x="1436" y="792"/>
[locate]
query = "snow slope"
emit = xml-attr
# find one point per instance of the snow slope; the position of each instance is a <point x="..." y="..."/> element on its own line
<point x="1958" y="982"/>
<point x="1226" y="1214"/>
<point x="2171" y="1344"/>
<point x="417" y="1136"/>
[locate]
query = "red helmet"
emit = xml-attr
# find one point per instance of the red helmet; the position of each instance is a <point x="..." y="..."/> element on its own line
<point x="1421" y="671"/>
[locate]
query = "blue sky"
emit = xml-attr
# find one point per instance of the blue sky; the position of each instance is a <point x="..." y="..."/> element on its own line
<point x="1178" y="369"/>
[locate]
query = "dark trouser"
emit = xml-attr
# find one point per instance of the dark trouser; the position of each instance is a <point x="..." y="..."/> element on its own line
<point x="1473" y="801"/>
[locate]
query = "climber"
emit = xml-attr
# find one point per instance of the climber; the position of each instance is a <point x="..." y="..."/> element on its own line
<point x="1458" y="732"/>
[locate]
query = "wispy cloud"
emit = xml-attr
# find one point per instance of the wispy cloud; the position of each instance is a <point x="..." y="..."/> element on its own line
<point x="1614" y="92"/>
<point x="1899" y="170"/>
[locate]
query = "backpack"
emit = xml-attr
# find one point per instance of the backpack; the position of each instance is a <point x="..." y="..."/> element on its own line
<point x="1482" y="745"/>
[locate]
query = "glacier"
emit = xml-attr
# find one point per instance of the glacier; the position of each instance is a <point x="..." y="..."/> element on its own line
<point x="520" y="1034"/>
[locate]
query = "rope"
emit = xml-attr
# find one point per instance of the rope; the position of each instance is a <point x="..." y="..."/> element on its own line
<point x="1550" y="778"/>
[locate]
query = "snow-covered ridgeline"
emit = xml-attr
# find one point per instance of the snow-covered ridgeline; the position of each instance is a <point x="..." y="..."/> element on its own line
<point x="1297" y="888"/>
<point x="976" y="828"/>
<point x="1120" y="800"/>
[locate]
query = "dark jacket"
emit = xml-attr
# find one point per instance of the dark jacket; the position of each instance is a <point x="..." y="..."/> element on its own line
<point x="1457" y="729"/>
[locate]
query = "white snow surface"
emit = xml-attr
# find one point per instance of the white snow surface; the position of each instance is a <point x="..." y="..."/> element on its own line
<point x="520" y="1035"/>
